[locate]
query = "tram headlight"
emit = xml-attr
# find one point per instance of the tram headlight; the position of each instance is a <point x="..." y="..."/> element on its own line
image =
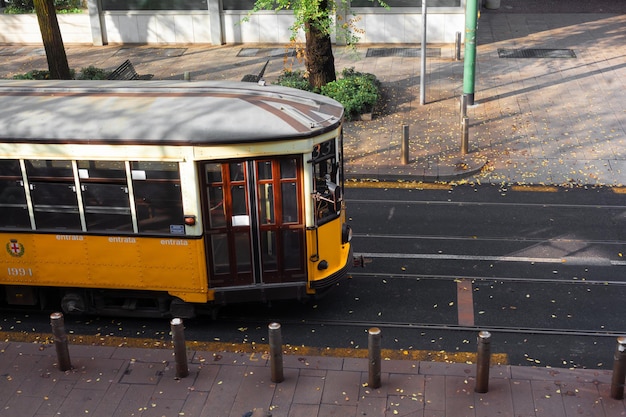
<point x="346" y="233"/>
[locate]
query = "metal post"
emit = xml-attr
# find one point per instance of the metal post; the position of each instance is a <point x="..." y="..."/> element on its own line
<point x="619" y="369"/>
<point x="187" y="76"/>
<point x="180" y="350"/>
<point x="373" y="343"/>
<point x="463" y="106"/>
<point x="423" y="65"/>
<point x="471" y="21"/>
<point x="482" y="362"/>
<point x="60" y="341"/>
<point x="465" y="135"/>
<point x="404" y="148"/>
<point x="457" y="47"/>
<point x="276" y="352"/>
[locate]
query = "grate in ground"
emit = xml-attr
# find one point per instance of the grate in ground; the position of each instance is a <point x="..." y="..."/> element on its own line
<point x="536" y="53"/>
<point x="402" y="52"/>
<point x="266" y="52"/>
<point x="167" y="52"/>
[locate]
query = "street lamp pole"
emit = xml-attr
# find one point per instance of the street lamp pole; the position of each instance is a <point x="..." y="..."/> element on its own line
<point x="471" y="22"/>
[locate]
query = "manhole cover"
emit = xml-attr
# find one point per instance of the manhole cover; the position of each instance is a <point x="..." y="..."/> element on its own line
<point x="266" y="52"/>
<point x="536" y="53"/>
<point x="401" y="52"/>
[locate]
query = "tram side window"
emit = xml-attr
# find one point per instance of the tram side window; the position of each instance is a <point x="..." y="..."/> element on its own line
<point x="266" y="192"/>
<point x="215" y="191"/>
<point x="105" y="196"/>
<point x="289" y="190"/>
<point x="13" y="208"/>
<point x="53" y="192"/>
<point x="327" y="192"/>
<point x="158" y="197"/>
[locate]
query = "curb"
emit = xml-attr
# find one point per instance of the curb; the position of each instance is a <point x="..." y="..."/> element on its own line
<point x="442" y="167"/>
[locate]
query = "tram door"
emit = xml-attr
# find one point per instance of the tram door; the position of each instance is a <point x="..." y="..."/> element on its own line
<point x="254" y="221"/>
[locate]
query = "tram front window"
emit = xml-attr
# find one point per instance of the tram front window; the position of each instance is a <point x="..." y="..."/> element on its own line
<point x="327" y="194"/>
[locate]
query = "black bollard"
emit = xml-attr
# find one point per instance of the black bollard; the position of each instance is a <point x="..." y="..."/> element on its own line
<point x="180" y="350"/>
<point x="373" y="343"/>
<point x="619" y="369"/>
<point x="60" y="341"/>
<point x="276" y="352"/>
<point x="482" y="362"/>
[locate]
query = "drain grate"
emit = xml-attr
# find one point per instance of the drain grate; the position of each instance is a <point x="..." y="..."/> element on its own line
<point x="401" y="52"/>
<point x="266" y="52"/>
<point x="155" y="52"/>
<point x="536" y="53"/>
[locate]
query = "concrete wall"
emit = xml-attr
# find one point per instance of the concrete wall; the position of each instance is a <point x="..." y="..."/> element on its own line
<point x="24" y="28"/>
<point x="398" y="26"/>
<point x="188" y="27"/>
<point x="162" y="27"/>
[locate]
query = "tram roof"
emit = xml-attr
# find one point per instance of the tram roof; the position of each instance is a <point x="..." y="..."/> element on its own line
<point x="160" y="112"/>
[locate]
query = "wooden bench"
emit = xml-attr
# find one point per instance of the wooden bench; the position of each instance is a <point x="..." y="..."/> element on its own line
<point x="126" y="71"/>
<point x="255" y="78"/>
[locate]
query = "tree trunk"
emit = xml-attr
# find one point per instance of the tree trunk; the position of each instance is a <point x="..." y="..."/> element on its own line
<point x="52" y="41"/>
<point x="320" y="62"/>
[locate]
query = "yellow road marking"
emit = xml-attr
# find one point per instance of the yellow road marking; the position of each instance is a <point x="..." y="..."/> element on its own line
<point x="256" y="350"/>
<point x="536" y="188"/>
<point x="416" y="185"/>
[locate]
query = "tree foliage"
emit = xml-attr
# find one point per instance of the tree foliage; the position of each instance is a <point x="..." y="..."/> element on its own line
<point x="314" y="17"/>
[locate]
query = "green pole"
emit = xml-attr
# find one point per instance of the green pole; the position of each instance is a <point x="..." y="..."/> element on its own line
<point x="471" y="20"/>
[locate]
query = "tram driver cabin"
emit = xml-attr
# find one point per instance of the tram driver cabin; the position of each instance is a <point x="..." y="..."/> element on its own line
<point x="155" y="198"/>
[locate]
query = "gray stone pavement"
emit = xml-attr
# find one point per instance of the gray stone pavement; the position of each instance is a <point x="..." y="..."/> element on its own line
<point x="535" y="121"/>
<point x="558" y="121"/>
<point x="122" y="381"/>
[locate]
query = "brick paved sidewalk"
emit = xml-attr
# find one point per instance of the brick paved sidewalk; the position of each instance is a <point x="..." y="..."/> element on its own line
<point x="116" y="382"/>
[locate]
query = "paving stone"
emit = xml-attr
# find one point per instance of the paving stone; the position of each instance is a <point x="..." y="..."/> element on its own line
<point x="139" y="372"/>
<point x="309" y="390"/>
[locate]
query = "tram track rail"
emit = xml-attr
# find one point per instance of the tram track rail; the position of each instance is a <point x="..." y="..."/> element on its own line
<point x="428" y="326"/>
<point x="471" y="278"/>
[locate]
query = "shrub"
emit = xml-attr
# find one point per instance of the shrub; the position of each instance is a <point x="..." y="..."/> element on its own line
<point x="294" y="79"/>
<point x="358" y="92"/>
<point x="33" y="75"/>
<point x="93" y="73"/>
<point x="89" y="73"/>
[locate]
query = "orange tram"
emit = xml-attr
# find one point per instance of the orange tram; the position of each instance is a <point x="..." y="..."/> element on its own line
<point x="154" y="198"/>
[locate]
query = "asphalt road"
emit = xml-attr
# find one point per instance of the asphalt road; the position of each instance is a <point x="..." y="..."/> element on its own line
<point x="541" y="268"/>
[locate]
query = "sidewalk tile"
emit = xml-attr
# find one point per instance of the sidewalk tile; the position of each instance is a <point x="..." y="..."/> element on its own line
<point x="224" y="391"/>
<point x="435" y="392"/>
<point x="548" y="403"/>
<point x="341" y="387"/>
<point x="256" y="391"/>
<point x="522" y="397"/>
<point x="309" y="389"/>
<point x="497" y="401"/>
<point x="138" y="372"/>
<point x="460" y="397"/>
<point x="135" y="401"/>
<point x="112" y="398"/>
